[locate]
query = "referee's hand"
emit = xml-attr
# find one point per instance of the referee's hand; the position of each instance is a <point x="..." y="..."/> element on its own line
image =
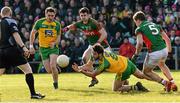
<point x="31" y="49"/>
<point x="26" y="52"/>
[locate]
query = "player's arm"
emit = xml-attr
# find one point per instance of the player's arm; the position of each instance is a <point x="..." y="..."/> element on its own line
<point x="14" y="31"/>
<point x="21" y="44"/>
<point x="18" y="39"/>
<point x="83" y="69"/>
<point x="93" y="74"/>
<point x="139" y="44"/>
<point x="101" y="30"/>
<point x="32" y="37"/>
<point x="167" y="40"/>
<point x="71" y="27"/>
<point x="16" y="36"/>
<point x="58" y="35"/>
<point x="58" y="38"/>
<point x="103" y="36"/>
<point x="88" y="65"/>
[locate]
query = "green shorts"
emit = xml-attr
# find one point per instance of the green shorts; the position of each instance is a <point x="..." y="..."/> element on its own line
<point x="131" y="68"/>
<point x="45" y="52"/>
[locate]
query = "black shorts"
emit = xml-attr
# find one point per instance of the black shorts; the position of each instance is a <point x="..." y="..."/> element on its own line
<point x="11" y="56"/>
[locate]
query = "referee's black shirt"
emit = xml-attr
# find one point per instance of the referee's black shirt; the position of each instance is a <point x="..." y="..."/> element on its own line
<point x="8" y="26"/>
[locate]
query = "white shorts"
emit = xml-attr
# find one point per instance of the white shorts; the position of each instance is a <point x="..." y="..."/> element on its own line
<point x="89" y="50"/>
<point x="108" y="48"/>
<point x="152" y="59"/>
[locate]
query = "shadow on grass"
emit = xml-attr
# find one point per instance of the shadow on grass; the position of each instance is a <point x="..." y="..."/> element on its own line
<point x="100" y="91"/>
<point x="170" y="93"/>
<point x="55" y="99"/>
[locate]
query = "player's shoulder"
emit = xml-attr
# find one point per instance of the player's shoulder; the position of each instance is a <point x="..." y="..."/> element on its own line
<point x="154" y="25"/>
<point x="40" y="20"/>
<point x="10" y="21"/>
<point x="138" y="29"/>
<point x="57" y="22"/>
<point x="107" y="53"/>
<point x="93" y="20"/>
<point x="79" y="22"/>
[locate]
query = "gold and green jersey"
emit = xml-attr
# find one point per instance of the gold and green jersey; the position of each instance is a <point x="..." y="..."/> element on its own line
<point x="112" y="63"/>
<point x="151" y="34"/>
<point x="91" y="30"/>
<point x="47" y="31"/>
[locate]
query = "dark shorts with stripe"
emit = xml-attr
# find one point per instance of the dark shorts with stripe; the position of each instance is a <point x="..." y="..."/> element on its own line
<point x="11" y="56"/>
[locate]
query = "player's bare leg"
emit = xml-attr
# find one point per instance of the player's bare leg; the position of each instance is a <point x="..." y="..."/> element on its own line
<point x="148" y="71"/>
<point x="30" y="81"/>
<point x="47" y="66"/>
<point x="54" y="70"/>
<point x="121" y="87"/>
<point x="141" y="75"/>
<point x="165" y="69"/>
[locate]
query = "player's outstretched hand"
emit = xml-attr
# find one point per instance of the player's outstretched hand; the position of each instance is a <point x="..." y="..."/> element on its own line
<point x="75" y="67"/>
<point x="134" y="58"/>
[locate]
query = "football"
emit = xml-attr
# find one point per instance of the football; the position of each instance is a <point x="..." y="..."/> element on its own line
<point x="62" y="61"/>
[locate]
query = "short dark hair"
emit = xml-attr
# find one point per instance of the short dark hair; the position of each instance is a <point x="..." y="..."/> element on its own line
<point x="98" y="48"/>
<point x="84" y="10"/>
<point x="50" y="9"/>
<point x="139" y="16"/>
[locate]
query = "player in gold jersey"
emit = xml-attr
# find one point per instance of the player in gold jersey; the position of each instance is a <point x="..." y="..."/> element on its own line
<point x="49" y="36"/>
<point x="108" y="61"/>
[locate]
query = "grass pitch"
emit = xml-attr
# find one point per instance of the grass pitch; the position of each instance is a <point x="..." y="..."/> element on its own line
<point x="73" y="87"/>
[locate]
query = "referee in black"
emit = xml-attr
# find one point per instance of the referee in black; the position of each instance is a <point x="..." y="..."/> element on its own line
<point x="13" y="52"/>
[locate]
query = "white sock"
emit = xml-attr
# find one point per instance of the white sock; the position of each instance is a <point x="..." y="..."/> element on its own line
<point x="163" y="82"/>
<point x="172" y="81"/>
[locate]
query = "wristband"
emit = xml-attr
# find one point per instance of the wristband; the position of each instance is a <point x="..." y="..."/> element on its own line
<point x="31" y="46"/>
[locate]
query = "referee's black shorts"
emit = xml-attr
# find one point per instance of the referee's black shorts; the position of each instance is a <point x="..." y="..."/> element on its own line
<point x="11" y="56"/>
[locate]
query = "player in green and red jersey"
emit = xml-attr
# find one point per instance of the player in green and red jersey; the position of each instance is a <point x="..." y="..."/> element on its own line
<point x="158" y="45"/>
<point x="94" y="32"/>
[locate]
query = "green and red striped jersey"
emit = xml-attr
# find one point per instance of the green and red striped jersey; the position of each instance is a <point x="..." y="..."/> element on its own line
<point x="91" y="30"/>
<point x="151" y="34"/>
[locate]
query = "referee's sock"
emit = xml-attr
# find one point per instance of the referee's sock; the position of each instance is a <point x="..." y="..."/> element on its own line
<point x="30" y="83"/>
